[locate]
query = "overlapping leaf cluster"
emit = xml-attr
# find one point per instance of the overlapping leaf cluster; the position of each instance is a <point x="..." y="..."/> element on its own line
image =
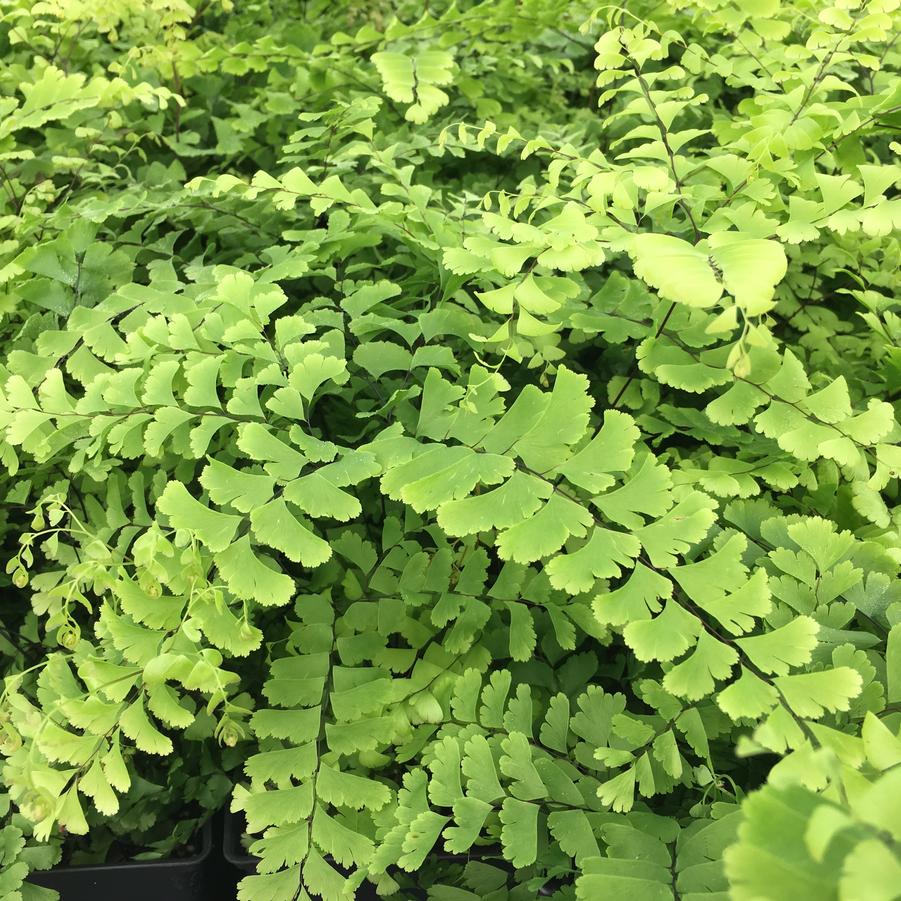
<point x="468" y="437"/>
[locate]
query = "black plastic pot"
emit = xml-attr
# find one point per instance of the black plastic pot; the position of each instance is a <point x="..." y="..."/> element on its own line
<point x="232" y="849"/>
<point x="185" y="879"/>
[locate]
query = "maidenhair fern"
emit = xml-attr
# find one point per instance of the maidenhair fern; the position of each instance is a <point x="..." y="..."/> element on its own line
<point x="465" y="437"/>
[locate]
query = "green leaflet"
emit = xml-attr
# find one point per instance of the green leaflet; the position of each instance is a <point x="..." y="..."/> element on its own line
<point x="250" y="577"/>
<point x="277" y="527"/>
<point x="822" y="847"/>
<point x="401" y="74"/>
<point x="748" y="268"/>
<point x="216" y="530"/>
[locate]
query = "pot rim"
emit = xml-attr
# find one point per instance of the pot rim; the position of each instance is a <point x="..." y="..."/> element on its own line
<point x="206" y="846"/>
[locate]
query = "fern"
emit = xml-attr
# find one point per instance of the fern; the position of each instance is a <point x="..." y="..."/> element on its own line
<point x="465" y="437"/>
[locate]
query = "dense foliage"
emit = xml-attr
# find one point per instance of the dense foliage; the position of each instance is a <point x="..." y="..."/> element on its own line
<point x="464" y="434"/>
